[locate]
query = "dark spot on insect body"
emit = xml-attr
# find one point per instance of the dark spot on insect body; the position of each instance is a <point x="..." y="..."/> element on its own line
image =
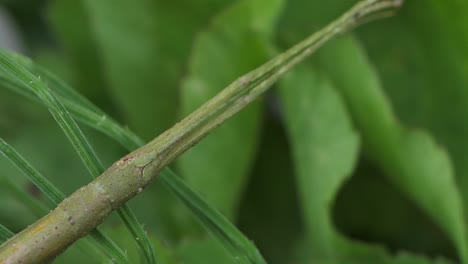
<point x="70" y="220"/>
<point x="357" y="15"/>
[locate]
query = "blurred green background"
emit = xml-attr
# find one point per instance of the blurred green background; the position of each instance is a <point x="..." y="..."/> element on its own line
<point x="358" y="156"/>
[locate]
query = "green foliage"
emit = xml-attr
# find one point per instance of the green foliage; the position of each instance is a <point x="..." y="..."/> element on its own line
<point x="391" y="95"/>
<point x="240" y="44"/>
<point x="5" y="233"/>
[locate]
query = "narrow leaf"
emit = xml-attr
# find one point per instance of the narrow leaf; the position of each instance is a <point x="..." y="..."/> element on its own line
<point x="19" y="73"/>
<point x="56" y="196"/>
<point x="33" y="175"/>
<point x="81" y="109"/>
<point x="225" y="232"/>
<point x="126" y="138"/>
<point x="37" y="207"/>
<point x="5" y="234"/>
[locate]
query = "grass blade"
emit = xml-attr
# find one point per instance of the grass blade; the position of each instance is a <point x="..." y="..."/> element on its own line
<point x="18" y="72"/>
<point x="5" y="233"/>
<point x="215" y="223"/>
<point x="56" y="196"/>
<point x="37" y="207"/>
<point x="88" y="246"/>
<point x="80" y="108"/>
<point x="33" y="175"/>
<point x="240" y="247"/>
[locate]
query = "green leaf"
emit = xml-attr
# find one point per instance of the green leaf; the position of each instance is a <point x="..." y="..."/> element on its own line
<point x="235" y="43"/>
<point x="41" y="182"/>
<point x="411" y="159"/>
<point x="5" y="234"/>
<point x="431" y="55"/>
<point x="36" y="206"/>
<point x="325" y="149"/>
<point x="21" y="75"/>
<point x="143" y="45"/>
<point x="70" y="22"/>
<point x="165" y="255"/>
<point x="269" y="212"/>
<point x="81" y="109"/>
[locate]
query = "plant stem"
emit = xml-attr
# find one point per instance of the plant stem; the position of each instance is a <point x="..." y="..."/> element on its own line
<point x="77" y="215"/>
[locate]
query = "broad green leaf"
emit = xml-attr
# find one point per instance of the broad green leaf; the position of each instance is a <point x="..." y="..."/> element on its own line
<point x="406" y="258"/>
<point x="325" y="148"/>
<point x="70" y="22"/>
<point x="236" y="42"/>
<point x="143" y="45"/>
<point x="270" y="201"/>
<point x="411" y="159"/>
<point x="425" y="75"/>
<point x="5" y="233"/>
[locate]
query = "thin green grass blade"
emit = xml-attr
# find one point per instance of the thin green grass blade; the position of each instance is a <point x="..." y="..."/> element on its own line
<point x="56" y="196"/>
<point x="33" y="175"/>
<point x="91" y="247"/>
<point x="239" y="246"/>
<point x="80" y="108"/>
<point x="23" y="76"/>
<point x="216" y="224"/>
<point x="36" y="206"/>
<point x="5" y="233"/>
